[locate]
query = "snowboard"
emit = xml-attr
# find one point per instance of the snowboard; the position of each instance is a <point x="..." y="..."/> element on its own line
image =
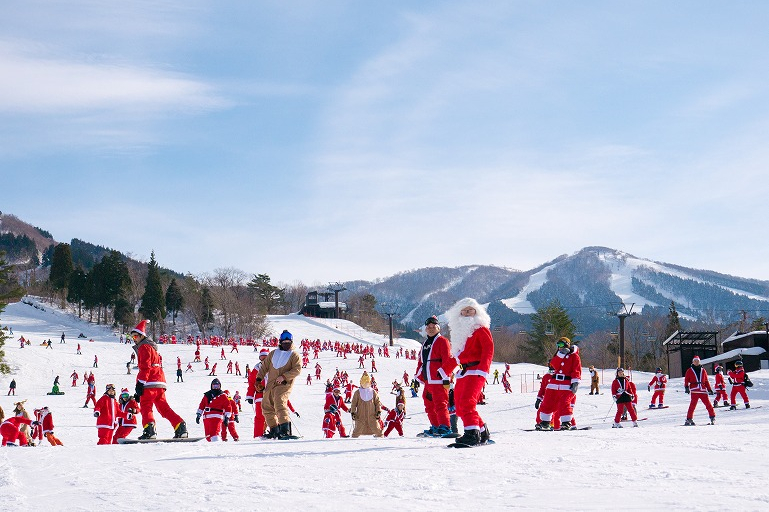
<point x="639" y="419"/>
<point x="663" y="407"/>
<point x="745" y="409"/>
<point x="164" y="440"/>
<point x="462" y="445"/>
<point x="445" y="436"/>
<point x="535" y="430"/>
<point x="52" y="393"/>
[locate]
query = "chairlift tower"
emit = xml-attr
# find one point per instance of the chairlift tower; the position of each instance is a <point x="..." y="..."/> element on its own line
<point x="622" y="313"/>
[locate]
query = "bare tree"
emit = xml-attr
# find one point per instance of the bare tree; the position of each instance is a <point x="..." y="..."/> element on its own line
<point x="224" y="287"/>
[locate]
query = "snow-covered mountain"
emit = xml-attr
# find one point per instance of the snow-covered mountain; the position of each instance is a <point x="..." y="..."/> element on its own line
<point x="589" y="283"/>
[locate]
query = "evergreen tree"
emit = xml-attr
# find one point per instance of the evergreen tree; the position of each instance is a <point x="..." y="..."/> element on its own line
<point x="174" y="300"/>
<point x="61" y="269"/>
<point x="268" y="297"/>
<point x="153" y="306"/>
<point x="206" y="307"/>
<point x="77" y="289"/>
<point x="9" y="291"/>
<point x="548" y="324"/>
<point x="674" y="323"/>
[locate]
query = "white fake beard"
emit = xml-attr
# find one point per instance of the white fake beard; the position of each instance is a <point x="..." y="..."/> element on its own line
<point x="461" y="329"/>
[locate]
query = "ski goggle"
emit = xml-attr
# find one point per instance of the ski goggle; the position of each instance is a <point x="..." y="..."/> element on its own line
<point x="561" y="344"/>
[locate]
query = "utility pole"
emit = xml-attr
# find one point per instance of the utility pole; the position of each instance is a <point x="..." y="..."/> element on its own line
<point x="622" y="313"/>
<point x="390" y="311"/>
<point x="336" y="288"/>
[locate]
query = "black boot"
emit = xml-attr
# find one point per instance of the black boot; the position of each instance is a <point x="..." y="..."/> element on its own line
<point x="470" y="438"/>
<point x="284" y="431"/>
<point x="272" y="433"/>
<point x="149" y="432"/>
<point x="180" y="430"/>
<point x="485" y="435"/>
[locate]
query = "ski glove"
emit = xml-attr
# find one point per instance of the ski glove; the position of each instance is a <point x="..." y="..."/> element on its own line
<point x="687" y="390"/>
<point x="574" y="386"/>
<point x="139" y="389"/>
<point x="237" y="420"/>
<point x="648" y="388"/>
<point x="250" y="401"/>
<point x="537" y="403"/>
<point x="96" y="414"/>
<point x="197" y="419"/>
<point x="730" y="380"/>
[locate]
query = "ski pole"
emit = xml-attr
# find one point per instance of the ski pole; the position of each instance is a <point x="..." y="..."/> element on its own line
<point x="607" y="412"/>
<point x="297" y="430"/>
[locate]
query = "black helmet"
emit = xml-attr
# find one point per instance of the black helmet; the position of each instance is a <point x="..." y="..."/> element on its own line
<point x="659" y="369"/>
<point x="216" y="384"/>
<point x="738" y="363"/>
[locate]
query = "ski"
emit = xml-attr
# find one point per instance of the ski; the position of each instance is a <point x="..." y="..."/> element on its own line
<point x="164" y="440"/>
<point x="554" y="430"/>
<point x="639" y="419"/>
<point x="462" y="445"/>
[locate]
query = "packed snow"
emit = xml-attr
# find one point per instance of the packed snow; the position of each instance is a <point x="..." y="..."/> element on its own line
<point x="660" y="465"/>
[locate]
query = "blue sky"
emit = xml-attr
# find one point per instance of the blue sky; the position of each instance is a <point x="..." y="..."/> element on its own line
<point x="324" y="141"/>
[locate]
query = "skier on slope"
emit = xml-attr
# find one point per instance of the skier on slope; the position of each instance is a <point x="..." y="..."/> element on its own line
<point x="151" y="386"/>
<point x="214" y="408"/>
<point x="473" y="348"/>
<point x="394" y="420"/>
<point x="739" y="381"/>
<point x="660" y="382"/>
<point x="624" y="393"/>
<point x="335" y="398"/>
<point x="365" y="410"/>
<point x="697" y="384"/>
<point x="105" y="412"/>
<point x="254" y="397"/>
<point x="560" y="401"/>
<point x="434" y="368"/>
<point x="276" y="378"/>
<point x="720" y="387"/>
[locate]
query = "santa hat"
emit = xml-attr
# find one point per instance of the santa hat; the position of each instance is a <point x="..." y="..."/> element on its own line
<point x="140" y="328"/>
<point x="696" y="358"/>
<point x="263" y="352"/>
<point x="124" y="391"/>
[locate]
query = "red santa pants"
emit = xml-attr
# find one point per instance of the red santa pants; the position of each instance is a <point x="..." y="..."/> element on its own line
<point x="121" y="433"/>
<point x="12" y="434"/>
<point x="156" y="397"/>
<point x="105" y="435"/>
<point x="721" y="395"/>
<point x="693" y="405"/>
<point x="559" y="402"/>
<point x="569" y="412"/>
<point x="394" y="425"/>
<point x="258" y="419"/>
<point x="231" y="428"/>
<point x="212" y="427"/>
<point x="739" y="390"/>
<point x="466" y="393"/>
<point x="625" y="406"/>
<point x="658" y="394"/>
<point x="436" y="399"/>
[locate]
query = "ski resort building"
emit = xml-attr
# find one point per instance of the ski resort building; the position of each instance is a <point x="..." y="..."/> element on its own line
<point x="682" y="346"/>
<point x="321" y="305"/>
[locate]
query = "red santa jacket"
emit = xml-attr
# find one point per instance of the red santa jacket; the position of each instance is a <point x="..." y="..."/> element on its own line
<point x="395" y="416"/>
<point x="542" y="385"/>
<point x="435" y="362"/>
<point x="17" y="421"/>
<point x="659" y="382"/>
<point x="477" y="353"/>
<point x="251" y="392"/>
<point x="624" y="391"/>
<point x="150" y="365"/>
<point x="568" y="369"/>
<point x="720" y="383"/>
<point x="46" y="418"/>
<point x="738" y="377"/>
<point x="126" y="413"/>
<point x="697" y="380"/>
<point x="335" y="400"/>
<point x="106" y="407"/>
<point x="214" y="406"/>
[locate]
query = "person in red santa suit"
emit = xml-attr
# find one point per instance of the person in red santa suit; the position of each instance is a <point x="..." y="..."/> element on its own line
<point x="105" y="412"/>
<point x="255" y="397"/>
<point x="229" y="421"/>
<point x="660" y="382"/>
<point x="394" y="420"/>
<point x="46" y="427"/>
<point x="623" y="391"/>
<point x="739" y="380"/>
<point x="335" y="398"/>
<point x="151" y="386"/>
<point x="563" y="388"/>
<point x="720" y="387"/>
<point x="434" y="368"/>
<point x="90" y="394"/>
<point x="698" y="386"/>
<point x="10" y="429"/>
<point x="541" y="394"/>
<point x="214" y="407"/>
<point x="330" y="421"/>
<point x="473" y="348"/>
<point x="75" y="377"/>
<point x="127" y="409"/>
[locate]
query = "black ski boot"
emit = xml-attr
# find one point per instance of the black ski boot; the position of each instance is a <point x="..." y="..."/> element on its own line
<point x="545" y="425"/>
<point x="688" y="423"/>
<point x="485" y="434"/>
<point x="272" y="433"/>
<point x="149" y="432"/>
<point x="180" y="430"/>
<point x="747" y="406"/>
<point x="284" y="431"/>
<point x="566" y="425"/>
<point x="470" y="438"/>
<point x="712" y="420"/>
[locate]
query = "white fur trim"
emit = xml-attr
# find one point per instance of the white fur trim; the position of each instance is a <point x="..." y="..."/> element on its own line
<point x="463" y="327"/>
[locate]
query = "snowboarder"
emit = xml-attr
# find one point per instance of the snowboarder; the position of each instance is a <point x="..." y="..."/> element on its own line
<point x="473" y="348"/>
<point x="213" y="409"/>
<point x="739" y="380"/>
<point x="365" y="410"/>
<point x="74" y="376"/>
<point x="12" y="388"/>
<point x="496" y="377"/>
<point x="720" y="387"/>
<point x="151" y="386"/>
<point x="624" y="393"/>
<point x="105" y="412"/>
<point x="563" y="388"/>
<point x="434" y="368"/>
<point x="698" y="386"/>
<point x="127" y="410"/>
<point x="395" y="420"/>
<point x="660" y="382"/>
<point x="276" y="378"/>
<point x="594" y="381"/>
